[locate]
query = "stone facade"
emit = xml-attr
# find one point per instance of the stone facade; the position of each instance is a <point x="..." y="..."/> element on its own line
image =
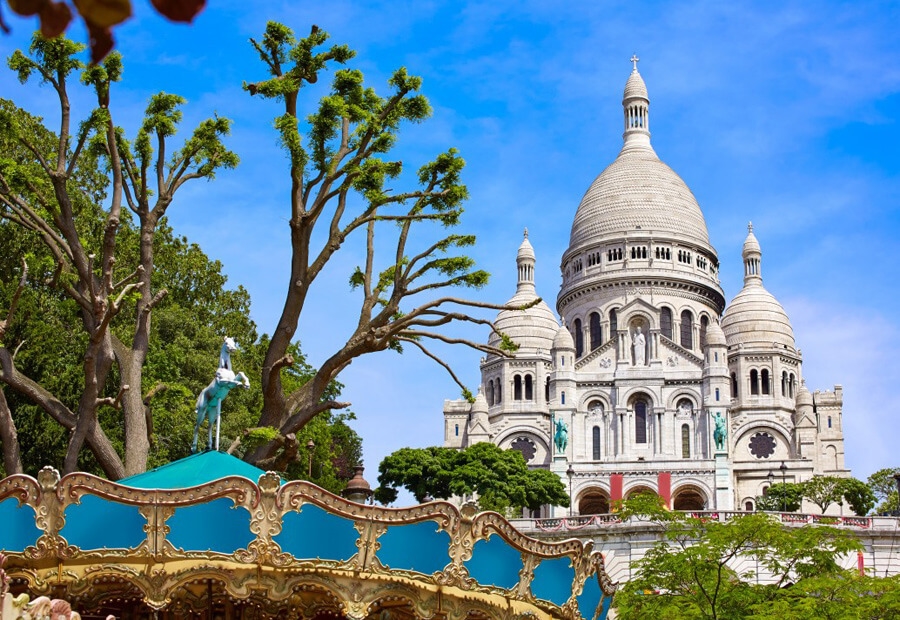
<point x="648" y="357"/>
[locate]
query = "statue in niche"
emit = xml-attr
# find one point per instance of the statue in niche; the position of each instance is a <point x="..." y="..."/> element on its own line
<point x="638" y="343"/>
<point x="721" y="432"/>
<point x="561" y="436"/>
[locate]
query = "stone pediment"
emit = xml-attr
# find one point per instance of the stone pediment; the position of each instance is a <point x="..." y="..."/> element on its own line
<point x="636" y="305"/>
<point x="595" y="359"/>
<point x="673" y="355"/>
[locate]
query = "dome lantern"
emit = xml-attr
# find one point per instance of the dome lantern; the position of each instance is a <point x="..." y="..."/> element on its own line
<point x="636" y="105"/>
<point x="752" y="255"/>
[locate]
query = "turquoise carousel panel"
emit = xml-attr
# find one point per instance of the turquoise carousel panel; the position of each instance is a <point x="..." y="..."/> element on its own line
<point x="218" y="526"/>
<point x="553" y="579"/>
<point x="420" y="547"/>
<point x="315" y="533"/>
<point x="18" y="529"/>
<point x="495" y="562"/>
<point x="98" y="523"/>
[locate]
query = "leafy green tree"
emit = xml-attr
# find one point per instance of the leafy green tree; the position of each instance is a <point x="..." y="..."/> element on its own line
<point x="500" y="479"/>
<point x="782" y="496"/>
<point x="824" y="491"/>
<point x="834" y="596"/>
<point x="884" y="486"/>
<point x="53" y="184"/>
<point x="858" y="496"/>
<point x="693" y="572"/>
<point x="341" y="174"/>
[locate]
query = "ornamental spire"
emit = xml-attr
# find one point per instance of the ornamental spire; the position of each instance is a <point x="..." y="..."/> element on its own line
<point x="636" y="104"/>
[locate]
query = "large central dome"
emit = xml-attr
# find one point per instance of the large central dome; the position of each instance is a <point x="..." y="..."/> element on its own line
<point x="638" y="191"/>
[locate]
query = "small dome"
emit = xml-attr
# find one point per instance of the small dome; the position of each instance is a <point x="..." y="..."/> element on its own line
<point x="563" y="339"/>
<point x="480" y="405"/>
<point x="803" y="395"/>
<point x="525" y="250"/>
<point x="751" y="243"/>
<point x="754" y="316"/>
<point x="531" y="329"/>
<point x="635" y="86"/>
<point x="714" y="335"/>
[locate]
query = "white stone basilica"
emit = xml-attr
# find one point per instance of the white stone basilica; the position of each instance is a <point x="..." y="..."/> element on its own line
<point x="625" y="395"/>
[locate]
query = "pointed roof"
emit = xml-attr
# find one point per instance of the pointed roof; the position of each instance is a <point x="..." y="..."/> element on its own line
<point x="192" y="471"/>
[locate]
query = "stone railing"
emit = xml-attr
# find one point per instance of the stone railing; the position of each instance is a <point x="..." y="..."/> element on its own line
<point x="581" y="523"/>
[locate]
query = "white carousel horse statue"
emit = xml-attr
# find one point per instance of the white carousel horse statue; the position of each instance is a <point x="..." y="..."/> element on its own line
<point x="209" y="403"/>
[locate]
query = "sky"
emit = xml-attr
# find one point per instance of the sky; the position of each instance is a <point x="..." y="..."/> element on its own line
<point x="780" y="113"/>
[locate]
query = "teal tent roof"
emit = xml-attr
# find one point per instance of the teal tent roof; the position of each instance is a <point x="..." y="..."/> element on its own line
<point x="193" y="470"/>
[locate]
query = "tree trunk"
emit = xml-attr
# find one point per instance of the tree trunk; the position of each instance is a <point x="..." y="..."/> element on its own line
<point x="12" y="458"/>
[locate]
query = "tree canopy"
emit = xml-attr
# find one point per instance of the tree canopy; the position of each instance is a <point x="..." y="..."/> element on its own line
<point x="884" y="487"/>
<point x="342" y="186"/>
<point x="706" y="569"/>
<point x="498" y="479"/>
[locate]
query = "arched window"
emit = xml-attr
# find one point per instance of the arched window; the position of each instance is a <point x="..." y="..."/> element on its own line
<point x="498" y="392"/>
<point x="490" y="392"/>
<point x="595" y="442"/>
<point x="579" y="339"/>
<point x="748" y="506"/>
<point x="529" y="388"/>
<point x="517" y="388"/>
<point x="754" y="382"/>
<point x="640" y="422"/>
<point x="547" y="390"/>
<point x="685" y="441"/>
<point x="665" y="322"/>
<point x="562" y="398"/>
<point x="596" y="332"/>
<point x="687" y="329"/>
<point x="613" y="325"/>
<point x="764" y="379"/>
<point x="734" y="386"/>
<point x="829" y="421"/>
<point x="784" y="383"/>
<point x="456" y="430"/>
<point x="717" y="394"/>
<point x="791" y="385"/>
<point x="704" y="323"/>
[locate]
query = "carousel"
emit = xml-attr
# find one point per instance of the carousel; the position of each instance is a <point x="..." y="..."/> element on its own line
<point x="199" y="537"/>
<point x="212" y="536"/>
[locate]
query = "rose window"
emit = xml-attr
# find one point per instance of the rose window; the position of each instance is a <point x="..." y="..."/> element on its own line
<point x="525" y="446"/>
<point x="762" y="445"/>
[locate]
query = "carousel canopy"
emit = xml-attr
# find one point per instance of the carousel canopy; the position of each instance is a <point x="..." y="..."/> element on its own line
<point x="192" y="471"/>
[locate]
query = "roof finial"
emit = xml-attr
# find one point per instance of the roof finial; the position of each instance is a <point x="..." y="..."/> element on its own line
<point x="635" y="60"/>
<point x="749" y="227"/>
<point x="526" y="233"/>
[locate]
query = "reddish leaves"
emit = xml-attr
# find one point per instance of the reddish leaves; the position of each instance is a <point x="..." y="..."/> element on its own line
<point x="100" y="16"/>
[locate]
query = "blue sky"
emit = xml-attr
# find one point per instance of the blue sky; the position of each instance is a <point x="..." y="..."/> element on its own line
<point x="783" y="113"/>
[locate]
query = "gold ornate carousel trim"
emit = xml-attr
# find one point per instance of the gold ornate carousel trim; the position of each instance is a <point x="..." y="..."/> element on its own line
<point x="262" y="578"/>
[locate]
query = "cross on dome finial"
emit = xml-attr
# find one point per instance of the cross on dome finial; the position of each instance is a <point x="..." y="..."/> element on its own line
<point x="749" y="227"/>
<point x="635" y="60"/>
<point x="526" y="233"/>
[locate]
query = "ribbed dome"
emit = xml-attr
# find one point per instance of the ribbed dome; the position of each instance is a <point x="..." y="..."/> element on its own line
<point x="563" y="339"/>
<point x="531" y="329"/>
<point x="638" y="191"/>
<point x="754" y="316"/>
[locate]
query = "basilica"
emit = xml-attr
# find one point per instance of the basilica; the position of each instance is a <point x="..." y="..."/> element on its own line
<point x="649" y="380"/>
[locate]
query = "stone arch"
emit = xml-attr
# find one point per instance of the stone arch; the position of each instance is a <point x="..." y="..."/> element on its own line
<point x="689" y="497"/>
<point x="831" y="459"/>
<point x="593" y="501"/>
<point x="679" y="395"/>
<point x="638" y="487"/>
<point x="782" y="448"/>
<point x="590" y="397"/>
